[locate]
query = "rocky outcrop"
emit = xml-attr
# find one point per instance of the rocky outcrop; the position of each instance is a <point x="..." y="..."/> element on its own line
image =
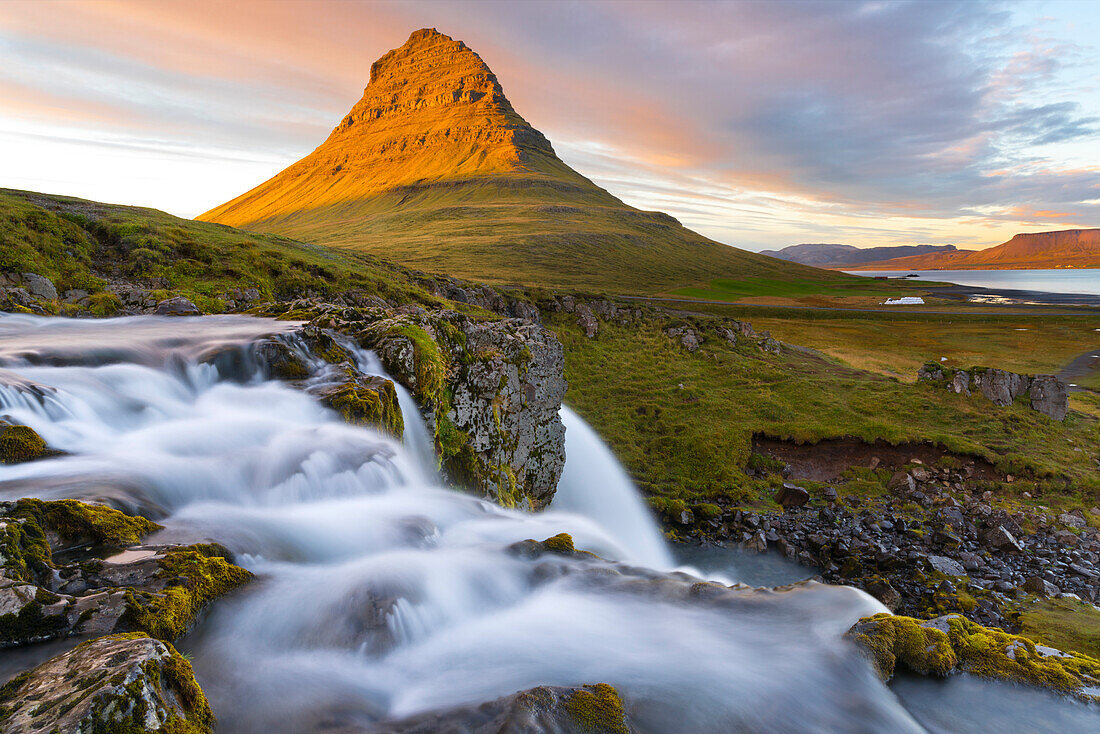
<point x="951" y="643"/>
<point x="592" y="709"/>
<point x="20" y="443"/>
<point x="122" y="683"/>
<point x="158" y="589"/>
<point x="491" y="392"/>
<point x="1044" y="393"/>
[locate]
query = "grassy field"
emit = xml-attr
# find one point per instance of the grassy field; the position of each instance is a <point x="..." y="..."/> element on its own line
<point x="78" y="244"/>
<point x="808" y="291"/>
<point x="1027" y="344"/>
<point x="682" y="423"/>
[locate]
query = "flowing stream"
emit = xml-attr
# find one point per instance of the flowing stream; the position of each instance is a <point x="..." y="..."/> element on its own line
<point x="379" y="593"/>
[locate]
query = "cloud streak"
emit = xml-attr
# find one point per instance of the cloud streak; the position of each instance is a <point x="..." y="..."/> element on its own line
<point x="758" y="123"/>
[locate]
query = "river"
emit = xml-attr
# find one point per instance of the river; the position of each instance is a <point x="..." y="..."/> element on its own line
<point x="381" y="594"/>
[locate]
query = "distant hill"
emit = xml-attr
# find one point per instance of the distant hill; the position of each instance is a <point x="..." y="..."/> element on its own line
<point x="843" y="256"/>
<point x="1069" y="248"/>
<point x="433" y="168"/>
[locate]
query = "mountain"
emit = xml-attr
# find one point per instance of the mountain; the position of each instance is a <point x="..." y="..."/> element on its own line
<point x="843" y="256"/>
<point x="433" y="168"/>
<point x="1068" y="248"/>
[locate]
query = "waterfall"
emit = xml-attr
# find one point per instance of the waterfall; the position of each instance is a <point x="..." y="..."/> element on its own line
<point x="595" y="485"/>
<point x="380" y="593"/>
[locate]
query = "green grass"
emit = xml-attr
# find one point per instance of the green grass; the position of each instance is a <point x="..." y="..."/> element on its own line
<point x="1065" y="624"/>
<point x="1027" y="344"/>
<point x="800" y="287"/>
<point x="682" y="423"/>
<point x="79" y="244"/>
<point x="531" y="230"/>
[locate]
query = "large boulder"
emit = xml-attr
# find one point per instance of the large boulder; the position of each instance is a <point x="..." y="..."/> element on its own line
<point x="177" y="306"/>
<point x="40" y="285"/>
<point x="1049" y="396"/>
<point x="491" y="391"/>
<point x="954" y="644"/>
<point x="123" y="683"/>
<point x="591" y="709"/>
<point x="1045" y="393"/>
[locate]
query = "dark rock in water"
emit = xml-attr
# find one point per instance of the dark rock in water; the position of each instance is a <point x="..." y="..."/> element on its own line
<point x="40" y="285"/>
<point x="951" y="643"/>
<point x="177" y="306"/>
<point x="129" y="683"/>
<point x="885" y="593"/>
<point x="591" y="709"/>
<point x="279" y="360"/>
<point x="791" y="495"/>
<point x="365" y="401"/>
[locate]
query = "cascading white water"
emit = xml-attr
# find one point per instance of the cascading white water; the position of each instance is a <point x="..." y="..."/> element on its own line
<point x="595" y="485"/>
<point x="380" y="595"/>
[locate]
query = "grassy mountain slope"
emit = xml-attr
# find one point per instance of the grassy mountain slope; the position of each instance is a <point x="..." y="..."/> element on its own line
<point x="81" y="244"/>
<point x="433" y="168"/>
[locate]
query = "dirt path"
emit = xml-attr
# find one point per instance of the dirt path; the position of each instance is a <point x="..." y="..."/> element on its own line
<point x="1079" y="367"/>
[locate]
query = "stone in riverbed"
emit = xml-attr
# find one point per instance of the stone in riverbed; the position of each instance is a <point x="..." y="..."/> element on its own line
<point x="129" y="683"/>
<point x="791" y="495"/>
<point x="591" y="709"/>
<point x="177" y="306"/>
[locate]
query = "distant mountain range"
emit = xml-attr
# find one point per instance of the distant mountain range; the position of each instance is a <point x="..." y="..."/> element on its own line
<point x="1070" y="248"/>
<point x="434" y="168"/>
<point x="847" y="256"/>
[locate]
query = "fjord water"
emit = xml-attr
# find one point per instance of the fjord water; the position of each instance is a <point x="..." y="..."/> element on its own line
<point x="1082" y="281"/>
<point x="379" y="593"/>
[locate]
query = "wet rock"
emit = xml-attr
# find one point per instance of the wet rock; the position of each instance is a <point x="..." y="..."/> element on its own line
<point x="281" y="360"/>
<point x="491" y="392"/>
<point x="791" y="495"/>
<point x="952" y="643"/>
<point x="40" y="285"/>
<point x="591" y="709"/>
<point x="365" y="400"/>
<point x="882" y="590"/>
<point x="128" y="683"/>
<point x="177" y="306"/>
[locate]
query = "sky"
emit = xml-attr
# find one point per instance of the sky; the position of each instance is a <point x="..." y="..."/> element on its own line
<point x="759" y="124"/>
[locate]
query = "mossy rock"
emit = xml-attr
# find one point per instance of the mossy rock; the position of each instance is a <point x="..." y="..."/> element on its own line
<point x="118" y="684"/>
<point x="31" y="527"/>
<point x="952" y="643"/>
<point x="597" y="709"/>
<point x="194" y="575"/>
<point x="367" y="401"/>
<point x="21" y="443"/>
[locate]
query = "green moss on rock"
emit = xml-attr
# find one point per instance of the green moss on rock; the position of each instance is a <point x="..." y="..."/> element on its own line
<point x="19" y="444"/>
<point x="194" y="578"/>
<point x="953" y="643"/>
<point x="368" y="403"/>
<point x="560" y="543"/>
<point x="597" y="709"/>
<point x="75" y="521"/>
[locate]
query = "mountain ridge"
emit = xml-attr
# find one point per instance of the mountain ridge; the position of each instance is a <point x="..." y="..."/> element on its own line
<point x="824" y="255"/>
<point x="433" y="168"/>
<point x="1067" y="248"/>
